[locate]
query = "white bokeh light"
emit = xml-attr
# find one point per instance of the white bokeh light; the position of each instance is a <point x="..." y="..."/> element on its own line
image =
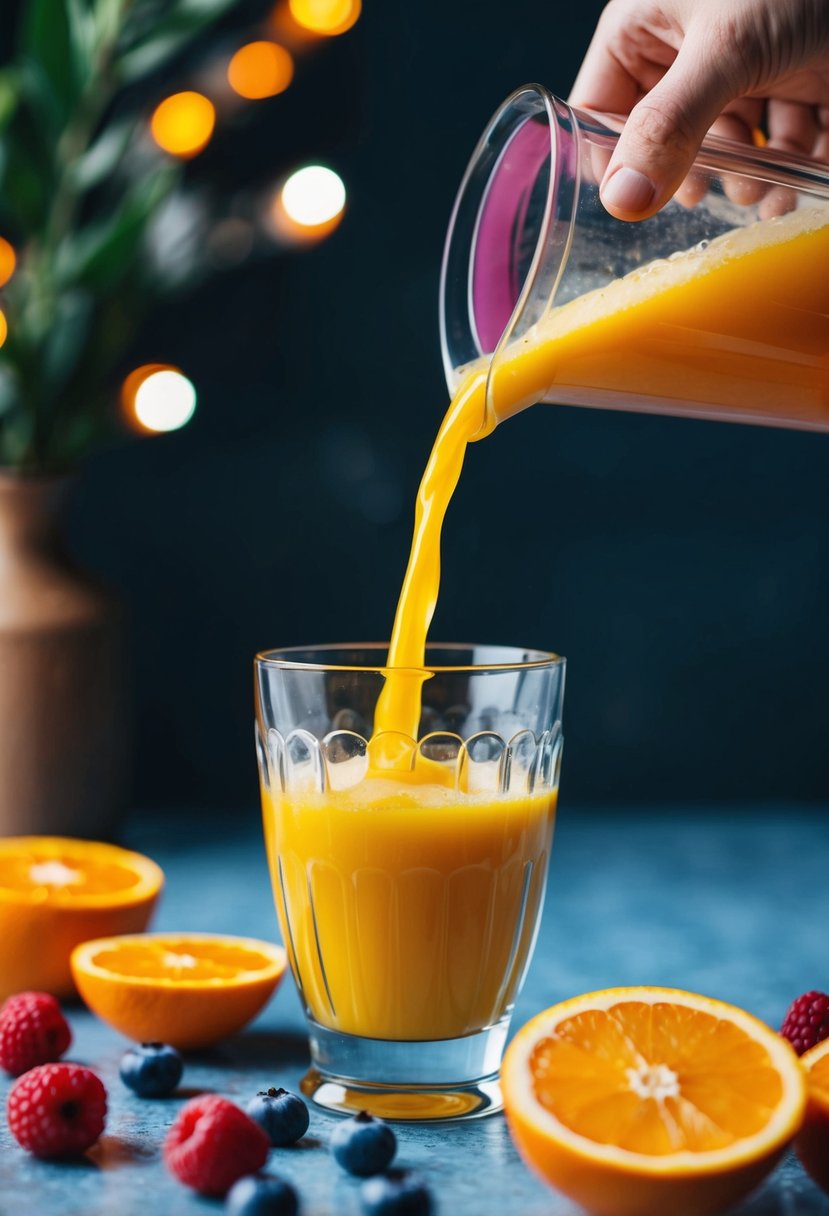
<point x="313" y="195"/>
<point x="165" y="401"/>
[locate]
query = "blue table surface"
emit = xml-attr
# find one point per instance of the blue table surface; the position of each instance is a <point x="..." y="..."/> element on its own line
<point x="732" y="902"/>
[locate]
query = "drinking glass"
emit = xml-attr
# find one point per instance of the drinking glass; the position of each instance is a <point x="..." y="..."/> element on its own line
<point x="408" y="873"/>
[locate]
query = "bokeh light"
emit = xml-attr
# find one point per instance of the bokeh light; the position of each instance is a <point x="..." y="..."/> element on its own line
<point x="8" y="261"/>
<point x="158" y="397"/>
<point x="307" y="206"/>
<point x="330" y="17"/>
<point x="4" y="328"/>
<point x="260" y="69"/>
<point x="183" y="124"/>
<point x="313" y="197"/>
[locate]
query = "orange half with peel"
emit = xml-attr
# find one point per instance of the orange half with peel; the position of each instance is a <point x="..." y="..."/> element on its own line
<point x="56" y="892"/>
<point x="812" y="1144"/>
<point x="647" y="1101"/>
<point x="187" y="989"/>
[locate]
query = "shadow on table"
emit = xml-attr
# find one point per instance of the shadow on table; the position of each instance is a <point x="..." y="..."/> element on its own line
<point x="115" y="1152"/>
<point x="257" y="1048"/>
<point x="787" y="1192"/>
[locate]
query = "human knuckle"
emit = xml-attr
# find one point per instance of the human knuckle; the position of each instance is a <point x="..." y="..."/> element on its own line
<point x="663" y="123"/>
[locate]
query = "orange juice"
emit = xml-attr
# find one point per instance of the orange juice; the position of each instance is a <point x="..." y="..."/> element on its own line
<point x="407" y="904"/>
<point x="409" y="909"/>
<point x="740" y="325"/>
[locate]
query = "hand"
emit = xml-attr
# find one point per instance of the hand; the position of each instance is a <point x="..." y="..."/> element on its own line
<point x="681" y="67"/>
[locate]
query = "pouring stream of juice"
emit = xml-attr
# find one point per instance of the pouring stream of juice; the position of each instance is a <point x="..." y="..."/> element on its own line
<point x="410" y="900"/>
<point x="743" y="322"/>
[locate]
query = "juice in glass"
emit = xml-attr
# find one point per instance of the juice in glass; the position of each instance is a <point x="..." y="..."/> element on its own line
<point x="409" y="908"/>
<point x="409" y="869"/>
<point x="409" y="796"/>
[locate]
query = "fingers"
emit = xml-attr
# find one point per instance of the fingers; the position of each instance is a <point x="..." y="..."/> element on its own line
<point x="603" y="82"/>
<point x="792" y="127"/>
<point x="821" y="149"/>
<point x="663" y="133"/>
<point x="675" y="68"/>
<point x="740" y="119"/>
<point x="694" y="188"/>
<point x="739" y="122"/>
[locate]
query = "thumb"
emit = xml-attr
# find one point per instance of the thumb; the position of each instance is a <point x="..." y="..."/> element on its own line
<point x="664" y="130"/>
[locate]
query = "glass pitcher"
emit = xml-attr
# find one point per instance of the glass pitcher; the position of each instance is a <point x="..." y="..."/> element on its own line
<point x="716" y="307"/>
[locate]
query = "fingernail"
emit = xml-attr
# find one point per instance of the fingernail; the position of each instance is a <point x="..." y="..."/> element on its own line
<point x="628" y="190"/>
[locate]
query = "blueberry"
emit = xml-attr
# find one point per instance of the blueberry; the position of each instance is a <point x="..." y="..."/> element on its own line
<point x="363" y="1145"/>
<point x="260" y="1195"/>
<point x="397" y="1193"/>
<point x="152" y="1070"/>
<point x="281" y="1115"/>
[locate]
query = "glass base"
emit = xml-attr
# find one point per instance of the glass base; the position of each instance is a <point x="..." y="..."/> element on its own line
<point x="406" y="1081"/>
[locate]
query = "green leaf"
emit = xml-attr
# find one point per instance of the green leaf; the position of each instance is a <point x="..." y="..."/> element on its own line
<point x="9" y="94"/>
<point x="150" y="55"/>
<point x="108" y="19"/>
<point x="105" y="155"/>
<point x="63" y="345"/>
<point x="24" y="185"/>
<point x="46" y="43"/>
<point x="38" y="97"/>
<point x="82" y="38"/>
<point x="104" y="253"/>
<point x="205" y="10"/>
<point x="145" y="54"/>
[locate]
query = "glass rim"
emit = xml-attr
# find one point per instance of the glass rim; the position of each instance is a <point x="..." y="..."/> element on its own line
<point x="280" y="658"/>
<point x="510" y="115"/>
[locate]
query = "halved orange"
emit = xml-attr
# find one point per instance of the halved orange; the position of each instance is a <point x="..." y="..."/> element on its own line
<point x="813" y="1142"/>
<point x="647" y="1101"/>
<point x="55" y="892"/>
<point x="188" y="989"/>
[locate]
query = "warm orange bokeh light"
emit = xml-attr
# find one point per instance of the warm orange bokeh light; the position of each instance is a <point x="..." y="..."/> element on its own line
<point x="129" y="391"/>
<point x="8" y="261"/>
<point x="183" y="124"/>
<point x="329" y="17"/>
<point x="289" y="232"/>
<point x="260" y="69"/>
<point x="4" y="328"/>
<point x="158" y="398"/>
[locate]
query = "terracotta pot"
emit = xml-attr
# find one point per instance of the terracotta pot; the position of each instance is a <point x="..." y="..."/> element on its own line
<point x="62" y="703"/>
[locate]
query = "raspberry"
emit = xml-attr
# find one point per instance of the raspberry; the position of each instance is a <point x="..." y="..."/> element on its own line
<point x="807" y="1021"/>
<point x="32" y="1031"/>
<point x="212" y="1144"/>
<point x="57" y="1110"/>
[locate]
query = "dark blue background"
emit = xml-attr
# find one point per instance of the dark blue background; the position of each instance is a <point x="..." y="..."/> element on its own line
<point x="682" y="567"/>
